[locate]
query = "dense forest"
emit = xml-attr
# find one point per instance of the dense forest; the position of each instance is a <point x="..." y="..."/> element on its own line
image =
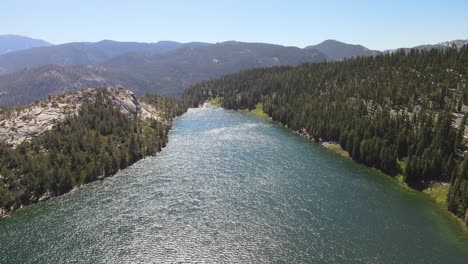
<point x="92" y="144"/>
<point x="401" y="113"/>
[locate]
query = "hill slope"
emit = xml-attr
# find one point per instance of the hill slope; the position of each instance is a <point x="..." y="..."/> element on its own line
<point x="9" y="43"/>
<point x="167" y="73"/>
<point x="38" y="83"/>
<point x="335" y="50"/>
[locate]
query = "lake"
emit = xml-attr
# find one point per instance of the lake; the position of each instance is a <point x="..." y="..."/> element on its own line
<point x="229" y="188"/>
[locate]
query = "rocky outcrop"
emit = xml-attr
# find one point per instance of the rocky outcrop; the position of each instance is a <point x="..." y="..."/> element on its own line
<point x="26" y="123"/>
<point x="303" y="133"/>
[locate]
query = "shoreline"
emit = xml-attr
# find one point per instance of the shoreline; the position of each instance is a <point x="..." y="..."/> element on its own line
<point x="4" y="214"/>
<point x="431" y="192"/>
<point x="399" y="180"/>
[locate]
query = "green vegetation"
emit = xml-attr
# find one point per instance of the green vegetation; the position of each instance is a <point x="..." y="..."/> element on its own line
<point x="258" y="111"/>
<point x="95" y="143"/>
<point x="400" y="178"/>
<point x="409" y="106"/>
<point x="217" y="101"/>
<point x="439" y="193"/>
<point x="337" y="149"/>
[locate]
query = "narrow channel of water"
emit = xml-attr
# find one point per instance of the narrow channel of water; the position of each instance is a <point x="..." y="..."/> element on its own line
<point x="231" y="188"/>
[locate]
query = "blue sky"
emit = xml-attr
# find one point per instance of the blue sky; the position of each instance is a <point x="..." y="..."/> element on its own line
<point x="375" y="24"/>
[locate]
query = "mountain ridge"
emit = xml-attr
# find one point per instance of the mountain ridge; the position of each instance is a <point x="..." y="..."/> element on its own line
<point x="165" y="67"/>
<point x="81" y="53"/>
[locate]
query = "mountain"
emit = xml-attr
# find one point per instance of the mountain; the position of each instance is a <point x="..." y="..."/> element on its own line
<point x="81" y="53"/>
<point x="9" y="43"/>
<point x="33" y="84"/>
<point x="172" y="72"/>
<point x="335" y="50"/>
<point x="167" y="73"/>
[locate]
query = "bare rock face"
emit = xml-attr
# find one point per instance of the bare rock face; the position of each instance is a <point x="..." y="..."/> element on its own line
<point x="26" y="123"/>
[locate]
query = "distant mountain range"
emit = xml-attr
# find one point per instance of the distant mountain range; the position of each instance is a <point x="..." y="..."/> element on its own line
<point x="89" y="53"/>
<point x="168" y="73"/>
<point x="164" y="67"/>
<point x="9" y="43"/>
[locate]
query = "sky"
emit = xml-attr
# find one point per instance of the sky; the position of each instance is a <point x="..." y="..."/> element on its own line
<point x="374" y="24"/>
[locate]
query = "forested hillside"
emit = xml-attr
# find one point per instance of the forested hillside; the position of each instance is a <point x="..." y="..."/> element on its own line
<point x="91" y="144"/>
<point x="403" y="113"/>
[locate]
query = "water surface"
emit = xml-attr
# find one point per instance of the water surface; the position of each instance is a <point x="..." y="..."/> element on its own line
<point x="232" y="188"/>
